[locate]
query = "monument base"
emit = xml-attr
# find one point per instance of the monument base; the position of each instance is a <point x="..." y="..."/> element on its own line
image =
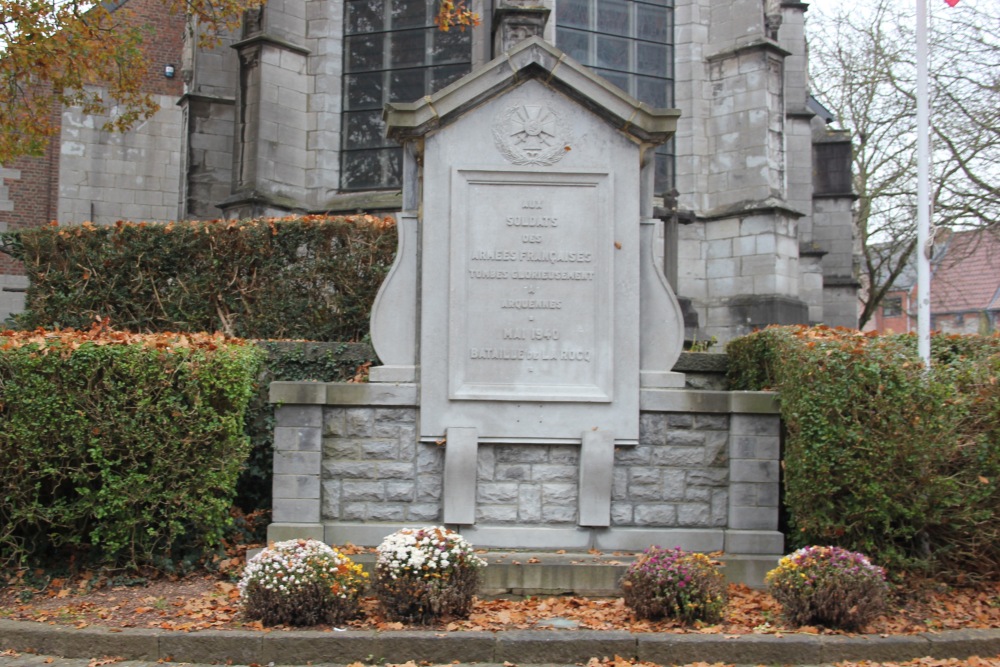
<point x="704" y="476"/>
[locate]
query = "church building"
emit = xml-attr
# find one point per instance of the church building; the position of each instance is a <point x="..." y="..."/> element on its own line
<point x="287" y="116"/>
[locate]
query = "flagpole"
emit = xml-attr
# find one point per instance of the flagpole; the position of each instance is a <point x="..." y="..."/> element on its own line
<point x="923" y="192"/>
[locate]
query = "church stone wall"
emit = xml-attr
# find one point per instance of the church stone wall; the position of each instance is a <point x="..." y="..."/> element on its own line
<point x="108" y="176"/>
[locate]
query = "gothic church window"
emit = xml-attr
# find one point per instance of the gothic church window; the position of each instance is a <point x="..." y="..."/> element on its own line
<point x="630" y="43"/>
<point x="393" y="52"/>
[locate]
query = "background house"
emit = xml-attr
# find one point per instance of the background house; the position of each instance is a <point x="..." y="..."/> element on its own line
<point x="965" y="288"/>
<point x="286" y="117"/>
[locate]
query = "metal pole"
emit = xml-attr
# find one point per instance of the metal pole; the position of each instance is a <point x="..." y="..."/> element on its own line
<point x="923" y="192"/>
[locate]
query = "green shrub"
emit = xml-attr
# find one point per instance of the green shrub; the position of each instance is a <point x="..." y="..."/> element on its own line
<point x="424" y="574"/>
<point x="881" y="456"/>
<point x="306" y="277"/>
<point x="828" y="586"/>
<point x="301" y="582"/>
<point x="674" y="584"/>
<point x="119" y="448"/>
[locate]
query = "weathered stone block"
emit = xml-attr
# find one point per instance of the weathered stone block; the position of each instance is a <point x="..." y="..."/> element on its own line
<point x="744" y="494"/>
<point x="559" y="493"/>
<point x="385" y="429"/>
<point x="368" y="491"/>
<point x="386" y="512"/>
<point x="354" y="511"/>
<point x="719" y="508"/>
<point x="497" y="493"/>
<point x="522" y="454"/>
<point x="393" y="470"/>
<point x="693" y="514"/>
<point x="486" y="464"/>
<point x="708" y="477"/>
<point x="348" y="470"/>
<point x="753" y="518"/>
<point x="295" y="486"/>
<point x="423" y="512"/>
<point x="395" y="415"/>
<point x="297" y="463"/>
<point x="341" y="448"/>
<point x="755" y="425"/>
<point x="298" y="415"/>
<point x="644" y="475"/>
<point x="661" y="515"/>
<point x="430" y="459"/>
<point x="334" y="422"/>
<point x="688" y="457"/>
<point x="545" y="472"/>
<point x="619" y="484"/>
<point x="621" y="514"/>
<point x="407" y="443"/>
<point x="330" y="499"/>
<point x="685" y="438"/>
<point x="529" y="503"/>
<point x="681" y="421"/>
<point x="564" y="455"/>
<point x="289" y="510"/>
<point x="496" y="513"/>
<point x="753" y="470"/>
<point x="359" y="421"/>
<point x="640" y="492"/>
<point x="716" y="448"/>
<point x="297" y="438"/>
<point x="754" y="542"/>
<point x="768" y="495"/>
<point x="698" y="494"/>
<point x="400" y="491"/>
<point x="507" y="472"/>
<point x="633" y="456"/>
<point x="379" y="449"/>
<point x="559" y="513"/>
<point x="674" y="483"/>
<point x="429" y="488"/>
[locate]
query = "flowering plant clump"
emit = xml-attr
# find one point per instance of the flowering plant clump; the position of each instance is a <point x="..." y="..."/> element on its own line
<point x="671" y="583"/>
<point x="422" y="574"/>
<point x="301" y="582"/>
<point x="828" y="586"/>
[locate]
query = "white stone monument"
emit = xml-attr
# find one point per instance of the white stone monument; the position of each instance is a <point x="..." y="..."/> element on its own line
<point x="525" y="301"/>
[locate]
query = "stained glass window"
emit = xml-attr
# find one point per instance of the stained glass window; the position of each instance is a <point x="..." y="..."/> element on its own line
<point x="631" y="44"/>
<point x="392" y="53"/>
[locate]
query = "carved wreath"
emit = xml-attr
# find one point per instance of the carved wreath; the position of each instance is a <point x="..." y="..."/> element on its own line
<point x="531" y="134"/>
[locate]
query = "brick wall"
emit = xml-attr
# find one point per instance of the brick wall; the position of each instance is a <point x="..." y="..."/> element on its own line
<point x="32" y="194"/>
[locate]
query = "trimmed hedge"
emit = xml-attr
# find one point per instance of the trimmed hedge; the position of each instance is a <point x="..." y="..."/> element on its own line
<point x="880" y="456"/>
<point x="306" y="277"/>
<point x="119" y="448"/>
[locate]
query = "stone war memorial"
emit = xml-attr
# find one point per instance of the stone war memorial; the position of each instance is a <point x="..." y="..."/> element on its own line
<point x="528" y="337"/>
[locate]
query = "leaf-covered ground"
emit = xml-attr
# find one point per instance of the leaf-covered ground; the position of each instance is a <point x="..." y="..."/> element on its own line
<point x="204" y="602"/>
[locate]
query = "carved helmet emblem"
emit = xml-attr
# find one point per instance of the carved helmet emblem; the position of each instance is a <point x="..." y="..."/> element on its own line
<point x="531" y="134"/>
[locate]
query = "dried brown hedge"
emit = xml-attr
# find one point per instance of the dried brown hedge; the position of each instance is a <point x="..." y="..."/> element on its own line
<point x="306" y="277"/>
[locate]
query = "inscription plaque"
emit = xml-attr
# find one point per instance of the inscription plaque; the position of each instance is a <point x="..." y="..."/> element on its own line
<point x="532" y="298"/>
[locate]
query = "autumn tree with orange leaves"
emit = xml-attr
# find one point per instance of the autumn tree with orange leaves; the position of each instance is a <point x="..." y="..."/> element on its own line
<point x="61" y="49"/>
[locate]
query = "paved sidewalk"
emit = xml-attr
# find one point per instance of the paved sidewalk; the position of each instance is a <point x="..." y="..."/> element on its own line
<point x="527" y="647"/>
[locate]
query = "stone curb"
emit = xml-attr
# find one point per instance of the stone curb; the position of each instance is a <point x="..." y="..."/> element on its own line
<point x="300" y="647"/>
